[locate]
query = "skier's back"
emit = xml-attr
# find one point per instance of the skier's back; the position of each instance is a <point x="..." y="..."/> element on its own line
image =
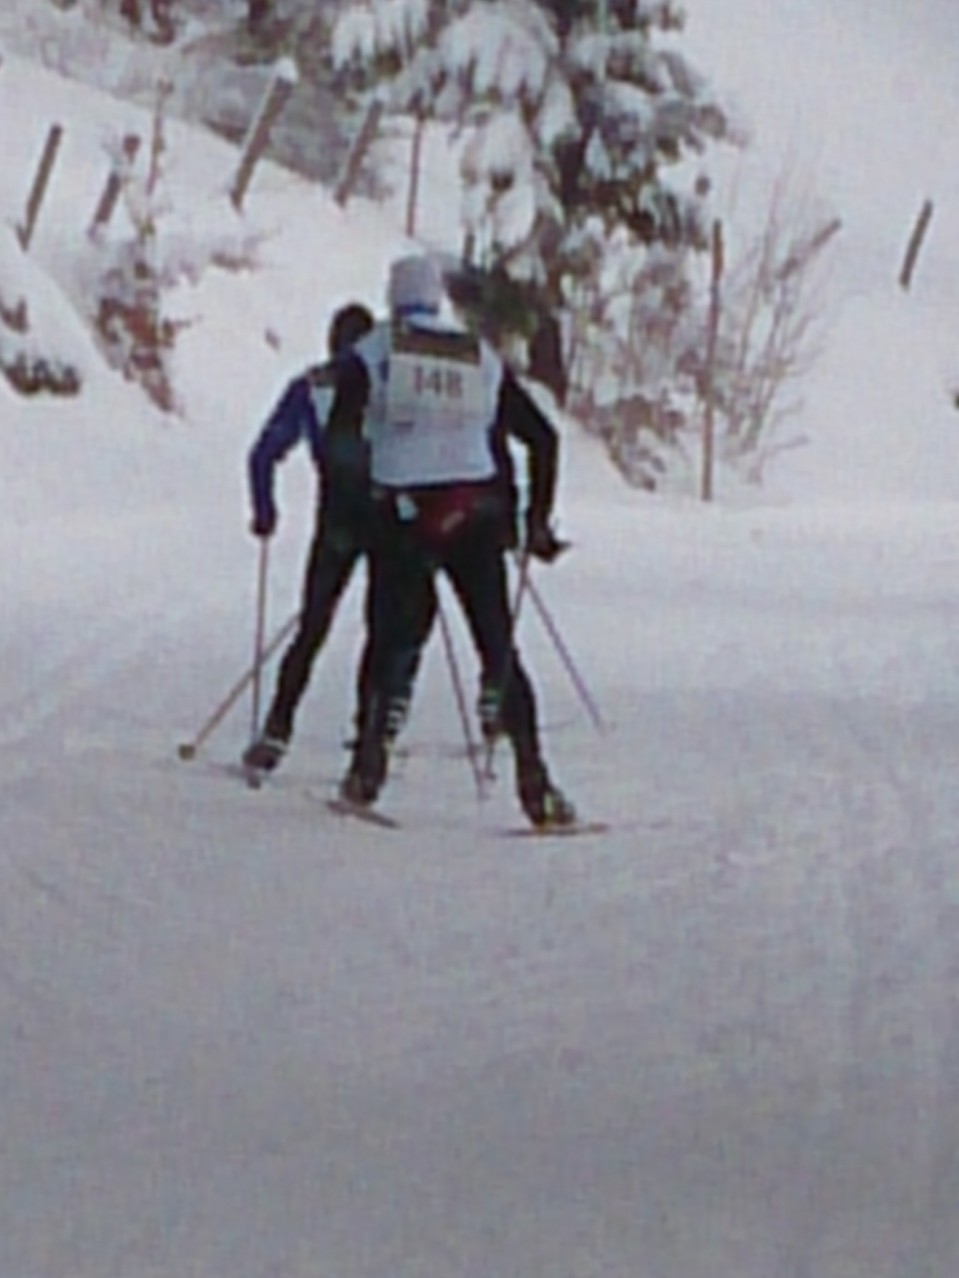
<point x="342" y="530"/>
<point x="432" y="400"/>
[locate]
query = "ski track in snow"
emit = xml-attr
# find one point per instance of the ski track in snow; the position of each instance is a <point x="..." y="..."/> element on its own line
<point x="765" y="1060"/>
<point x="727" y="1027"/>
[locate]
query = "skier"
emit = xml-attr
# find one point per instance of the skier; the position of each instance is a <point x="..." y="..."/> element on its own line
<point x="435" y="403"/>
<point x="342" y="532"/>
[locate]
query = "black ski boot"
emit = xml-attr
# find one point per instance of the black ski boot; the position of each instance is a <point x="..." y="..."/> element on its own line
<point x="267" y="751"/>
<point x="544" y="804"/>
<point x="367" y="772"/>
<point x="489" y="710"/>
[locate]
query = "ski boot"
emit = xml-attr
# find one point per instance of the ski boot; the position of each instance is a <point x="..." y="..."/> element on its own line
<point x="489" y="709"/>
<point x="265" y="753"/>
<point x="545" y="805"/>
<point x="366" y="773"/>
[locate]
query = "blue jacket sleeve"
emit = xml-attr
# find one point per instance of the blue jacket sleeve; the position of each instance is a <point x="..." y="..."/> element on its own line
<point x="293" y="418"/>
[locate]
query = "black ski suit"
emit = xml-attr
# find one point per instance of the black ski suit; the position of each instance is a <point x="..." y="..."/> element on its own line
<point x="464" y="529"/>
<point x="341" y="538"/>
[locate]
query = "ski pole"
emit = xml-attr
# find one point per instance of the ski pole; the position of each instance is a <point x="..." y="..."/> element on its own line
<point x="472" y="747"/>
<point x="188" y="749"/>
<point x="259" y="634"/>
<point x="566" y="658"/>
<point x="522" y="582"/>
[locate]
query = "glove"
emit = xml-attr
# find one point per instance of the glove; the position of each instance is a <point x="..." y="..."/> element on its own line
<point x="263" y="523"/>
<point x="542" y="543"/>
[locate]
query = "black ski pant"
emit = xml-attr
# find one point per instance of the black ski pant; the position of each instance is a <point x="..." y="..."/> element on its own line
<point x="336" y="549"/>
<point x="403" y="605"/>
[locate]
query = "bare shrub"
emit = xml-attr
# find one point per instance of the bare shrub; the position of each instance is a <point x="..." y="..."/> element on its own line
<point x="633" y="336"/>
<point x="770" y="330"/>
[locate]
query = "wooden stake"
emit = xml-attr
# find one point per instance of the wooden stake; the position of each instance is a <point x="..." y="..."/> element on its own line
<point x="40" y="183"/>
<point x="114" y="185"/>
<point x="274" y="100"/>
<point x="364" y="139"/>
<point x="915" y="244"/>
<point x="709" y="430"/>
<point x="416" y="157"/>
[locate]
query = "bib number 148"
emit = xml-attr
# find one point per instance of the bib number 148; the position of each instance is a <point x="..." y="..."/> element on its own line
<point x="438" y="381"/>
<point x="422" y="388"/>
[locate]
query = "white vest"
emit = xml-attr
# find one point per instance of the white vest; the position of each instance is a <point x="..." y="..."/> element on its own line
<point x="434" y="392"/>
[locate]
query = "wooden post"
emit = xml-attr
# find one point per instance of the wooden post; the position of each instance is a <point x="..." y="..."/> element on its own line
<point x="114" y="184"/>
<point x="709" y="431"/>
<point x="351" y="171"/>
<point x="40" y="182"/>
<point x="157" y="139"/>
<point x="915" y="244"/>
<point x="416" y="157"/>
<point x="280" y="87"/>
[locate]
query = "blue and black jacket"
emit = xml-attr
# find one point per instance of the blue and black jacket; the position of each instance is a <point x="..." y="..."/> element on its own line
<point x="340" y="455"/>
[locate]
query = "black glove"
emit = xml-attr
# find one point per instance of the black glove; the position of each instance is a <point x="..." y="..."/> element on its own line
<point x="542" y="543"/>
<point x="263" y="523"/>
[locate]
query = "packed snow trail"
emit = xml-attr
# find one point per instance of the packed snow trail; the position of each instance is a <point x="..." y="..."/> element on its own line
<point x="243" y="1038"/>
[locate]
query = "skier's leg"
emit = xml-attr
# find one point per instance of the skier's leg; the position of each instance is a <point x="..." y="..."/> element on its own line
<point x="401" y="670"/>
<point x="333" y="556"/>
<point x="401" y="606"/>
<point x="477" y="570"/>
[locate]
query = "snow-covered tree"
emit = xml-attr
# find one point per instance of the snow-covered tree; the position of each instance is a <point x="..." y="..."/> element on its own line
<point x="574" y="113"/>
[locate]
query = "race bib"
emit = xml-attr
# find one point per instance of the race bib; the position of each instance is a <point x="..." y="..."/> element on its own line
<point x="435" y="380"/>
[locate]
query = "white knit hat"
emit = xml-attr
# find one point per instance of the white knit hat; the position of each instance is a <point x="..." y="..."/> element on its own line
<point x="415" y="281"/>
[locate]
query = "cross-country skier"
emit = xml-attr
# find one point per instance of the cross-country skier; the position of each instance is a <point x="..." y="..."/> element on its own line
<point x="343" y="524"/>
<point x="434" y="402"/>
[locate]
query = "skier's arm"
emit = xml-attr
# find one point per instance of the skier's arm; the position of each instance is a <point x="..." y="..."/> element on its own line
<point x="350" y="397"/>
<point x="292" y="417"/>
<point x="519" y="415"/>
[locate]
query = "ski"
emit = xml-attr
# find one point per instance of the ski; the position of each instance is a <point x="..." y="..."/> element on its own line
<point x="361" y="812"/>
<point x="576" y="830"/>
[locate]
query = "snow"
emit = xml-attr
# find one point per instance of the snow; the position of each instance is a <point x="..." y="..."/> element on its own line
<point x="364" y="30"/>
<point x="505" y="50"/>
<point x="242" y="1038"/>
<point x="286" y="70"/>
